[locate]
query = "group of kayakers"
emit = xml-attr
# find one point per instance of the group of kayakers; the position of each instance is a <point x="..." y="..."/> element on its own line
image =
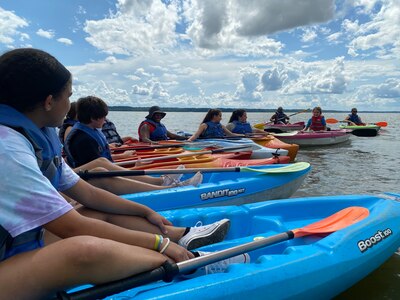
<point x="317" y="122"/>
<point x="47" y="244"/>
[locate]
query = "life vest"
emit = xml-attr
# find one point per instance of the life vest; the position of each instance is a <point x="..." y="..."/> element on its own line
<point x="316" y="123"/>
<point x="95" y="134"/>
<point x="213" y="130"/>
<point x="47" y="149"/>
<point x="280" y="118"/>
<point x="241" y="127"/>
<point x="355" y="119"/>
<point x="111" y="134"/>
<point x="158" y="131"/>
<point x="67" y="123"/>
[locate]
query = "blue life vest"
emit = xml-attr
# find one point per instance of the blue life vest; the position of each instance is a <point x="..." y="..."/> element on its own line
<point x="95" y="134"/>
<point x="47" y="149"/>
<point x="355" y="119"/>
<point x="67" y="123"/>
<point x="213" y="130"/>
<point x="241" y="127"/>
<point x="159" y="133"/>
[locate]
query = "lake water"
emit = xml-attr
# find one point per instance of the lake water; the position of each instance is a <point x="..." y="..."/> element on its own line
<point x="363" y="165"/>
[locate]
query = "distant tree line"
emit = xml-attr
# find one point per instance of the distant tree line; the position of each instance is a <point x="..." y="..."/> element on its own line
<point x="204" y="109"/>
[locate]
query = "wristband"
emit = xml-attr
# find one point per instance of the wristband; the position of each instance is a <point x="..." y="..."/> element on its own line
<point x="165" y="246"/>
<point x="158" y="242"/>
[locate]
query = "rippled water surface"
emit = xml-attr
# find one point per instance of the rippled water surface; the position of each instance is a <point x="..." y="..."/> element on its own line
<point x="363" y="165"/>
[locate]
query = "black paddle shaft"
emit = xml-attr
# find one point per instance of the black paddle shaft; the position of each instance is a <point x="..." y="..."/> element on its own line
<point x="166" y="272"/>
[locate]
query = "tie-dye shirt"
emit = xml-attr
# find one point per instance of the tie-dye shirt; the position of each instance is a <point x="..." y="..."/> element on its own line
<point x="27" y="198"/>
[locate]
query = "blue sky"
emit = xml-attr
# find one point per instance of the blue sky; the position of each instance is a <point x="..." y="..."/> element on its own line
<point x="225" y="53"/>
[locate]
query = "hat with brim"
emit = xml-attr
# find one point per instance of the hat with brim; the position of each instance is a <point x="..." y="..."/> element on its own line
<point x="155" y="110"/>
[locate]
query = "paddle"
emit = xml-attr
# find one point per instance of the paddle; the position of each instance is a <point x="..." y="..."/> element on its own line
<point x="261" y="125"/>
<point x="296" y="167"/>
<point x="334" y="121"/>
<point x="129" y="162"/>
<point x="167" y="271"/>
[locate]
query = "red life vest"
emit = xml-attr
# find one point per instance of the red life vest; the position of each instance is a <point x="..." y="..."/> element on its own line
<point x="316" y="123"/>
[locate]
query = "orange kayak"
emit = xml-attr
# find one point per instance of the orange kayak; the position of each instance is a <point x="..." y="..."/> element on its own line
<point x="274" y="143"/>
<point x="215" y="161"/>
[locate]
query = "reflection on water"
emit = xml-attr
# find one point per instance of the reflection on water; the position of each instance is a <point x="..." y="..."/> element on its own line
<point x="363" y="165"/>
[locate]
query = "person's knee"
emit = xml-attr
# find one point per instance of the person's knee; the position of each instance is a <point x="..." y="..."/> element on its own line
<point x="99" y="169"/>
<point x="102" y="161"/>
<point x="87" y="250"/>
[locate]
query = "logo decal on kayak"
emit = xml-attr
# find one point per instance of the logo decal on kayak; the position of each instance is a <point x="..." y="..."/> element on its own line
<point x="221" y="193"/>
<point x="379" y="236"/>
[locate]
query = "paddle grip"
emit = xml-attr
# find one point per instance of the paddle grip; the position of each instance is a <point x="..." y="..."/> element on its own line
<point x="165" y="272"/>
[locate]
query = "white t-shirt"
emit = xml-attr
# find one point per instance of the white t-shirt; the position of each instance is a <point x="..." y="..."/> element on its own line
<point x="27" y="198"/>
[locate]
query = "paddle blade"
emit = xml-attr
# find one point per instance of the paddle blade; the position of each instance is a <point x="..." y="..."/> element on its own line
<point x="337" y="221"/>
<point x="259" y="126"/>
<point x="296" y="167"/>
<point x="381" y="124"/>
<point x="331" y="121"/>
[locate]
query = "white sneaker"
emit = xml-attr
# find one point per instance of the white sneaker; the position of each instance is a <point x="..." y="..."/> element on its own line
<point x="221" y="266"/>
<point x="171" y="179"/>
<point x="195" y="180"/>
<point x="199" y="235"/>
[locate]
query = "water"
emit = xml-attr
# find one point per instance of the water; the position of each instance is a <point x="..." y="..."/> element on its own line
<point x="363" y="165"/>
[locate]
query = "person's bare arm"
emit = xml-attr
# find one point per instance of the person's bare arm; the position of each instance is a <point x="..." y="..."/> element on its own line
<point x="200" y="130"/>
<point x="145" y="134"/>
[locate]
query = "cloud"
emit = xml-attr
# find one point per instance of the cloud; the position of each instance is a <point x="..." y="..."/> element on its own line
<point x="9" y="25"/>
<point x="247" y="90"/>
<point x="65" y="41"/>
<point x="381" y="34"/>
<point x="389" y="89"/>
<point x="309" y="36"/>
<point x="314" y="79"/>
<point x="273" y="79"/>
<point x="139" y="27"/>
<point x="48" y="34"/>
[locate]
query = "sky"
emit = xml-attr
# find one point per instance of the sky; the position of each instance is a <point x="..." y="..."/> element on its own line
<point x="218" y="53"/>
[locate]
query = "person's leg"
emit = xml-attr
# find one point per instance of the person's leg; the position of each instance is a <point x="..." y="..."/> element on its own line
<point x="39" y="274"/>
<point x="105" y="163"/>
<point x="188" y="237"/>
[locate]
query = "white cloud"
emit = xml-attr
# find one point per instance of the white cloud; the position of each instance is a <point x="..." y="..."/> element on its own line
<point x="248" y="87"/>
<point x="48" y="34"/>
<point x="308" y="36"/>
<point x="65" y="41"/>
<point x="273" y="79"/>
<point x="381" y="33"/>
<point x="9" y="25"/>
<point x="322" y="79"/>
<point x="389" y="89"/>
<point x="139" y="27"/>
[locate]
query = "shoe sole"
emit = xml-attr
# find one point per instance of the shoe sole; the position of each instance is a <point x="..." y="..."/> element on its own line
<point x="213" y="237"/>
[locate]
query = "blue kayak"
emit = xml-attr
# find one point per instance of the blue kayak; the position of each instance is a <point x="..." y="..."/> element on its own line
<point x="311" y="267"/>
<point x="251" y="184"/>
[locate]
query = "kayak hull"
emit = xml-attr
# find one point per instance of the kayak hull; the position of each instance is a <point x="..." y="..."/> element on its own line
<point x="284" y="127"/>
<point x="317" y="138"/>
<point x="363" y="131"/>
<point x="313" y="267"/>
<point x="225" y="188"/>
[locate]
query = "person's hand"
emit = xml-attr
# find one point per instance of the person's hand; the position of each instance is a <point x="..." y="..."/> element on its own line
<point x="177" y="253"/>
<point x="158" y="220"/>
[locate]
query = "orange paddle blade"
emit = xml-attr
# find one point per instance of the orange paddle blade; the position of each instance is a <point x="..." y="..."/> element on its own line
<point x="381" y="124"/>
<point x="331" y="121"/>
<point x="337" y="221"/>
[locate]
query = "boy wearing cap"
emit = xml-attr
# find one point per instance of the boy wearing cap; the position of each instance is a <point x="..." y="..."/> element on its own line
<point x="152" y="130"/>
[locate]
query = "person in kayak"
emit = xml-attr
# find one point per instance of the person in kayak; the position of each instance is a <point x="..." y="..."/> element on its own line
<point x="152" y="130"/>
<point x="113" y="138"/>
<point x="68" y="122"/>
<point x="107" y="239"/>
<point x="279" y="117"/>
<point x="86" y="143"/>
<point x="238" y="123"/>
<point x="317" y="121"/>
<point x="354" y="118"/>
<point x="211" y="127"/>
